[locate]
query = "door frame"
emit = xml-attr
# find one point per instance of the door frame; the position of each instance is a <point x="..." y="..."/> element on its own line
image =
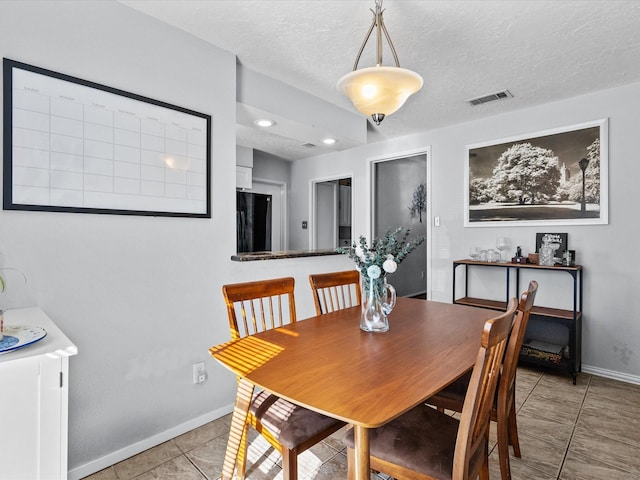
<point x="428" y="214"/>
<point x="330" y="192"/>
<point x="314" y="208"/>
<point x="284" y="222"/>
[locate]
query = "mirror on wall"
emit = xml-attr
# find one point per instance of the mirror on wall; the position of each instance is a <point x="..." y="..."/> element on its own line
<point x="332" y="226"/>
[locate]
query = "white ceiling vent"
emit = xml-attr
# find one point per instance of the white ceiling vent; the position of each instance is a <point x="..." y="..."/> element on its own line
<point x="490" y="98"/>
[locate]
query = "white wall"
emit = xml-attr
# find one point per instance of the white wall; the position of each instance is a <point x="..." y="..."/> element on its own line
<point x="611" y="332"/>
<point x="270" y="167"/>
<point x="140" y="296"/>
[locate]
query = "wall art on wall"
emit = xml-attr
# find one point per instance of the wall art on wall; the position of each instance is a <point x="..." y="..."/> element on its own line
<point x="71" y="145"/>
<point x="552" y="177"/>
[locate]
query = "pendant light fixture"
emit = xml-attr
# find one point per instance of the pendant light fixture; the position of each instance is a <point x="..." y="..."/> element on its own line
<point x="379" y="91"/>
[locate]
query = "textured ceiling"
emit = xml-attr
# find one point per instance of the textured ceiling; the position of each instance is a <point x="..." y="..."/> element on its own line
<point x="541" y="51"/>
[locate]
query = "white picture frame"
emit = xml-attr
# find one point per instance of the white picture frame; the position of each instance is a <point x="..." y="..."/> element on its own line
<point x="537" y="179"/>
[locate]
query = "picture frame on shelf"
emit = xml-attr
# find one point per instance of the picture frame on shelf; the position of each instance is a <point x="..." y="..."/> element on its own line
<point x="72" y="145"/>
<point x="552" y="177"/>
<point x="560" y="238"/>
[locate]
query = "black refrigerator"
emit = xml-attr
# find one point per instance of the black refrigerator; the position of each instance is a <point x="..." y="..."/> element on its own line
<point x="253" y="222"/>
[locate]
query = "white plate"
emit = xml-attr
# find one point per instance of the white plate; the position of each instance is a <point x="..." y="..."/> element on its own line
<point x="18" y="336"/>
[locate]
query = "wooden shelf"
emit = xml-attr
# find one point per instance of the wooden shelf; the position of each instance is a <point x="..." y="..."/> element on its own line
<point x="556" y="313"/>
<point x="482" y="303"/>
<point x="500" y="305"/>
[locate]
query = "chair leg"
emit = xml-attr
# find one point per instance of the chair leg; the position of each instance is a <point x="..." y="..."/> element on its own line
<point x="484" y="468"/>
<point x="289" y="464"/>
<point x="242" y="453"/>
<point x="513" y="431"/>
<point x="503" y="447"/>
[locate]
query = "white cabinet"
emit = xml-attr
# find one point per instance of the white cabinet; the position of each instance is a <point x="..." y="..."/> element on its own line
<point x="34" y="402"/>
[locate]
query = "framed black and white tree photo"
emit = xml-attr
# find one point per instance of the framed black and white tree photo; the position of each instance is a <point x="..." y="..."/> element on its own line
<point x="552" y="177"/>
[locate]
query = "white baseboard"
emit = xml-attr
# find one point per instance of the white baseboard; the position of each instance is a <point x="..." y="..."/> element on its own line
<point x="612" y="374"/>
<point x="103" y="462"/>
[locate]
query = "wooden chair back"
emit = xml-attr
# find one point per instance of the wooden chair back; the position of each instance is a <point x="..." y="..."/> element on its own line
<point x="253" y="307"/>
<point x="335" y="291"/>
<point x="510" y="363"/>
<point x="473" y="433"/>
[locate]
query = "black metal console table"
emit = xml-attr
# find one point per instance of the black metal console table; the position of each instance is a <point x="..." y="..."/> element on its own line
<point x="568" y="355"/>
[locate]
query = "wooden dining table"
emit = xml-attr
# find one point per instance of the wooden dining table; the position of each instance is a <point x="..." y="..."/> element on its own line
<point x="327" y="364"/>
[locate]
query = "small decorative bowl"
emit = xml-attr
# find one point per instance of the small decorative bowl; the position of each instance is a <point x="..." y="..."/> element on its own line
<point x="534" y="258"/>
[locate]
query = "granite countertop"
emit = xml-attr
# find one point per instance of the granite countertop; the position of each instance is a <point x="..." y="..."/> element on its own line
<point x="254" y="256"/>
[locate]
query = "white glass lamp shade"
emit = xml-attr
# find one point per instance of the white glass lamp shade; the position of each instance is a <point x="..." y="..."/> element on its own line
<point x="377" y="90"/>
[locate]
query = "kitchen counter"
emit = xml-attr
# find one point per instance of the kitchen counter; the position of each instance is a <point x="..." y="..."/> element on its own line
<point x="254" y="256"/>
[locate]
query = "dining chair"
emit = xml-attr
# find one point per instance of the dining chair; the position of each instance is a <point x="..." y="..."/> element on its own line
<point x="424" y="443"/>
<point x="335" y="291"/>
<point x="254" y="307"/>
<point x="504" y="406"/>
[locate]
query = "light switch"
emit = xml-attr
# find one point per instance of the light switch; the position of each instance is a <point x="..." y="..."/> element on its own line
<point x="436" y="221"/>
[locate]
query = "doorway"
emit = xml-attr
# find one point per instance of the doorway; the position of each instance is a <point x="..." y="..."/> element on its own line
<point x="331" y="221"/>
<point x="277" y="190"/>
<point x="400" y="199"/>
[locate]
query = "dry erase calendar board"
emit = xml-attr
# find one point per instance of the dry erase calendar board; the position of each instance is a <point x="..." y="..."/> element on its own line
<point x="72" y="145"/>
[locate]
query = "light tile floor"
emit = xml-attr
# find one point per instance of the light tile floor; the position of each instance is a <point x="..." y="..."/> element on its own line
<point x="588" y="431"/>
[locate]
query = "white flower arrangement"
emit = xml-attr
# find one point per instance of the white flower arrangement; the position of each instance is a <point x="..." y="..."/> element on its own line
<point x="383" y="255"/>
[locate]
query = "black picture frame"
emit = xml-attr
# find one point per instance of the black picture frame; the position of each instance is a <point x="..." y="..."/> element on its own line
<point x="561" y="238"/>
<point x="72" y="145"/>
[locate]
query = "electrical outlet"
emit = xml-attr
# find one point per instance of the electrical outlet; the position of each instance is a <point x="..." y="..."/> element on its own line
<point x="199" y="372"/>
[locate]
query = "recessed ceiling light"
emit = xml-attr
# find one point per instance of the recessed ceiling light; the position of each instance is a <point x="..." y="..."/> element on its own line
<point x="329" y="140"/>
<point x="264" y="122"/>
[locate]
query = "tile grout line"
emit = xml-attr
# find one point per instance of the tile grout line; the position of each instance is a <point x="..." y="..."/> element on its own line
<point x="528" y="394"/>
<point x="535" y="385"/>
<point x="204" y="475"/>
<point x="575" y="425"/>
<point x="612" y="438"/>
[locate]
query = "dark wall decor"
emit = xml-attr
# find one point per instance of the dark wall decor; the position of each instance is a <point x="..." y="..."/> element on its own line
<point x="560" y="238"/>
<point x="71" y="145"/>
<point x="553" y="177"/>
<point x="419" y="202"/>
